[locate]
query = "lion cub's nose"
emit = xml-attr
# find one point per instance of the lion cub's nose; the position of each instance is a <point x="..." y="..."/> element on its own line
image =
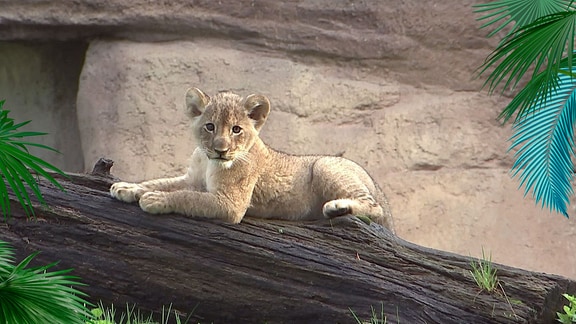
<point x="221" y="151"/>
<point x="221" y="145"/>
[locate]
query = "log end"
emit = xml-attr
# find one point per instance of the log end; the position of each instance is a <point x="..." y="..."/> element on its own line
<point x="102" y="167"/>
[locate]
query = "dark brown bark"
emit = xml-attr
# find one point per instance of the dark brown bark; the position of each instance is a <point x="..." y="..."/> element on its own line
<point x="265" y="271"/>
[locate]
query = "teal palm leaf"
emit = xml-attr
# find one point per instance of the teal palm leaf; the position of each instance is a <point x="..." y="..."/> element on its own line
<point x="521" y="12"/>
<point x="545" y="139"/>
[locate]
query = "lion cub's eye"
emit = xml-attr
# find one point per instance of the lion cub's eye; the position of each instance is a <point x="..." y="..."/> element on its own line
<point x="209" y="127"/>
<point x="236" y="129"/>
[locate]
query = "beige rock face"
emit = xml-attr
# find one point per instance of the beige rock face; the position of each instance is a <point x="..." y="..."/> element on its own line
<point x="387" y="84"/>
<point x="133" y="108"/>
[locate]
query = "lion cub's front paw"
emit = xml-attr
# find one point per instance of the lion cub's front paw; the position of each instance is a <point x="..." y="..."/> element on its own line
<point x="338" y="207"/>
<point x="128" y="192"/>
<point x="155" y="202"/>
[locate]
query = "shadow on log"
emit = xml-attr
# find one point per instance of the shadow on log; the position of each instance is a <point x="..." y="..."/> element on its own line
<point x="265" y="271"/>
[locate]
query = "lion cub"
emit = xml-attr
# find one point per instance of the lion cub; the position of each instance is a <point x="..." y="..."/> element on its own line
<point x="233" y="173"/>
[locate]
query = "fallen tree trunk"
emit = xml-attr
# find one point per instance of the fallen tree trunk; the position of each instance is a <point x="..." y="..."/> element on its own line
<point x="265" y="271"/>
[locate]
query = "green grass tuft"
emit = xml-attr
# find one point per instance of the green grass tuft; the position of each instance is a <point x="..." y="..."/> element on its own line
<point x="484" y="273"/>
<point x="132" y="315"/>
<point x="375" y="317"/>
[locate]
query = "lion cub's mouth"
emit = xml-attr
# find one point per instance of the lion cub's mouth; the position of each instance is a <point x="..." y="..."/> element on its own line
<point x="221" y="157"/>
<point x="223" y="161"/>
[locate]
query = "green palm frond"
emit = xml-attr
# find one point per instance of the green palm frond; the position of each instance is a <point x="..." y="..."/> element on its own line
<point x="538" y="47"/>
<point x="36" y="295"/>
<point x="546" y="141"/>
<point x="521" y="12"/>
<point x="16" y="164"/>
<point x="6" y="258"/>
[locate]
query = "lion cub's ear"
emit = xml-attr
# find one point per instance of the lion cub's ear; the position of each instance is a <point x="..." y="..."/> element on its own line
<point x="196" y="102"/>
<point x="258" y="108"/>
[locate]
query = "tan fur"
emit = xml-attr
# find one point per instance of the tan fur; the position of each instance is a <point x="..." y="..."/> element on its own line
<point x="233" y="173"/>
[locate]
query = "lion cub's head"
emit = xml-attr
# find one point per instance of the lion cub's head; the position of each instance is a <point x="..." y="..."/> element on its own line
<point x="226" y="125"/>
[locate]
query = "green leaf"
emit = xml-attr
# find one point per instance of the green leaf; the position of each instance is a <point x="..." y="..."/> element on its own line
<point x="16" y="164"/>
<point x="521" y="12"/>
<point x="6" y="259"/>
<point x="538" y="47"/>
<point x="545" y="140"/>
<point x="37" y="295"/>
<point x="10" y="172"/>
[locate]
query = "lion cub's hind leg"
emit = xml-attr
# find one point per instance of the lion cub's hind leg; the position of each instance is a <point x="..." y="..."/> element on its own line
<point x="365" y="206"/>
<point x="339" y="207"/>
<point x="349" y="190"/>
